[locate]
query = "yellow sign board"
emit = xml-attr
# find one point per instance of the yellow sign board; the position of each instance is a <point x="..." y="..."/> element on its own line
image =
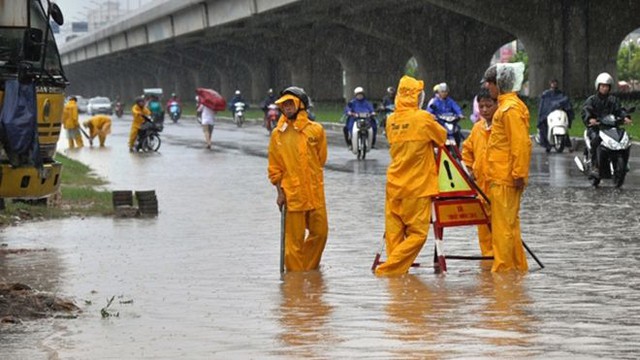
<point x="451" y="181"/>
<point x="460" y="212"/>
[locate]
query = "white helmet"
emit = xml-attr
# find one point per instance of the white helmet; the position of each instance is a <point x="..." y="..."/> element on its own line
<point x="237" y="92"/>
<point x="604" y="78"/>
<point x="358" y="90"/>
<point x="442" y="87"/>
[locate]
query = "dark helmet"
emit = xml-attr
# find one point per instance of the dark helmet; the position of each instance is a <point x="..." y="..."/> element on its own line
<point x="297" y="92"/>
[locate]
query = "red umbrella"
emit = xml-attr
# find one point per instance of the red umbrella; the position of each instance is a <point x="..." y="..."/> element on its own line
<point x="211" y="99"/>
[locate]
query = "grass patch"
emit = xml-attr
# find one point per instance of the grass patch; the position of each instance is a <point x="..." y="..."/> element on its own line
<point x="80" y="195"/>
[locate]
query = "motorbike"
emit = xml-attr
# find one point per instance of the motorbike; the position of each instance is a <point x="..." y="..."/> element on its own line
<point x="557" y="131"/>
<point x="238" y="113"/>
<point x="174" y="111"/>
<point x="148" y="138"/>
<point x="613" y="151"/>
<point x="385" y="111"/>
<point x="119" y="109"/>
<point x="271" y="117"/>
<point x="450" y="122"/>
<point x="361" y="134"/>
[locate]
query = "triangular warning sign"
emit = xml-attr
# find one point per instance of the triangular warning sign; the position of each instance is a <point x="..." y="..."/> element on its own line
<point x="451" y="180"/>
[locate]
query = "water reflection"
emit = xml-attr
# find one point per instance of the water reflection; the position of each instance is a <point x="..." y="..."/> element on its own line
<point x="303" y="313"/>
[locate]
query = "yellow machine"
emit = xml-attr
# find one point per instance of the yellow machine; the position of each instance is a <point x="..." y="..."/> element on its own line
<point x="28" y="53"/>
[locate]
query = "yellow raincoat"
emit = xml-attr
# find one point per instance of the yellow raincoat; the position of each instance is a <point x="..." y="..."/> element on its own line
<point x="100" y="126"/>
<point x="509" y="154"/>
<point x="411" y="177"/>
<point x="474" y="156"/>
<point x="70" y="123"/>
<point x="297" y="154"/>
<point x="138" y="120"/>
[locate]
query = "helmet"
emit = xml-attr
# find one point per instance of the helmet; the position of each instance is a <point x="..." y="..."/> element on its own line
<point x="442" y="87"/>
<point x="237" y="92"/>
<point x="173" y="94"/>
<point x="140" y="99"/>
<point x="358" y="90"/>
<point x="391" y="90"/>
<point x="299" y="93"/>
<point x="604" y="78"/>
<point x="270" y="91"/>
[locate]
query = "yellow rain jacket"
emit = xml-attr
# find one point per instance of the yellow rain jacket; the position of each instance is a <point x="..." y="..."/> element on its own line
<point x="297" y="154"/>
<point x="509" y="154"/>
<point x="138" y="120"/>
<point x="474" y="156"/>
<point x="412" y="133"/>
<point x="509" y="148"/>
<point x="70" y="115"/>
<point x="99" y="124"/>
<point x="411" y="178"/>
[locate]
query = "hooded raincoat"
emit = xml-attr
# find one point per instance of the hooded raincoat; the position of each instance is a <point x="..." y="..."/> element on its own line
<point x="474" y="156"/>
<point x="138" y="119"/>
<point x="70" y="122"/>
<point x="100" y="126"/>
<point x="509" y="154"/>
<point x="297" y="154"/>
<point x="411" y="177"/>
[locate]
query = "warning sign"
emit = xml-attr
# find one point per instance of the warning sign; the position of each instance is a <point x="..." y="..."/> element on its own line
<point x="460" y="212"/>
<point x="451" y="180"/>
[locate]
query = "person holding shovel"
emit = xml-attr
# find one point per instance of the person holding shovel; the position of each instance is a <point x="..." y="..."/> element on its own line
<point x="297" y="154"/>
<point x="100" y="126"/>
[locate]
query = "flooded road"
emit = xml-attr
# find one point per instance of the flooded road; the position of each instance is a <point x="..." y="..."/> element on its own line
<point x="201" y="280"/>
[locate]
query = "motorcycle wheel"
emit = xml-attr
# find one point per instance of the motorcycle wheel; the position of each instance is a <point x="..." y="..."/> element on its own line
<point x="239" y="121"/>
<point x="364" y="147"/>
<point x="152" y="143"/>
<point x="559" y="143"/>
<point x="620" y="172"/>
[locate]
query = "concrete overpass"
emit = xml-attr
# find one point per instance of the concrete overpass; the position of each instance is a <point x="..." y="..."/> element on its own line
<point x="331" y="46"/>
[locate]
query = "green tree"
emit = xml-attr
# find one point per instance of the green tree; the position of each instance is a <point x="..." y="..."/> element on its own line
<point x="628" y="62"/>
<point x="521" y="56"/>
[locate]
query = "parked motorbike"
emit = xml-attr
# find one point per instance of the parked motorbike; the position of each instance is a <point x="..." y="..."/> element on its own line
<point x="238" y="113"/>
<point x="119" y="109"/>
<point x="361" y="134"/>
<point x="613" y="151"/>
<point x="271" y="117"/>
<point x="174" y="111"/>
<point x="148" y="138"/>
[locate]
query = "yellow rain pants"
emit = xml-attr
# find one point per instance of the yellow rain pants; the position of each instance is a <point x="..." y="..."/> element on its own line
<point x="508" y="251"/>
<point x="304" y="253"/>
<point x="137" y="122"/>
<point x="407" y="226"/>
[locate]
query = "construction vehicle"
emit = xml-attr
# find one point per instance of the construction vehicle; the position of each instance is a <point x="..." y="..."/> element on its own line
<point x="32" y="84"/>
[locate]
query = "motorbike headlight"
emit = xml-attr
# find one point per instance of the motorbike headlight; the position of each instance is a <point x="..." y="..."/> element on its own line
<point x="609" y="143"/>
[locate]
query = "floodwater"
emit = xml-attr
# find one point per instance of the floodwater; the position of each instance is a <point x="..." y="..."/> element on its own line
<point x="201" y="280"/>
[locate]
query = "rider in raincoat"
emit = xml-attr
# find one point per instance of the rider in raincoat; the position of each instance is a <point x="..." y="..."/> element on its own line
<point x="70" y="122"/>
<point x="359" y="104"/>
<point x="411" y="177"/>
<point x="474" y="151"/>
<point x="100" y="126"/>
<point x="509" y="154"/>
<point x="297" y="154"/>
<point x="139" y="111"/>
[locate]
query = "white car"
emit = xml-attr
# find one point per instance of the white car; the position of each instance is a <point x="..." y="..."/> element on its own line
<point x="99" y="105"/>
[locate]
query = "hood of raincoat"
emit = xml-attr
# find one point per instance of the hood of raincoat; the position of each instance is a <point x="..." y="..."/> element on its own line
<point x="409" y="93"/>
<point x="286" y="97"/>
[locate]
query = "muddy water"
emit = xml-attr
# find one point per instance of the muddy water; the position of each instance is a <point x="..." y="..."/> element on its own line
<point x="204" y="283"/>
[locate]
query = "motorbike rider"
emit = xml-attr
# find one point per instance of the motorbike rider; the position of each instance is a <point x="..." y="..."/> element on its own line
<point x="443" y="103"/>
<point x="172" y="99"/>
<point x="237" y="97"/>
<point x="139" y="111"/>
<point x="550" y="100"/>
<point x="264" y="105"/>
<point x="359" y="104"/>
<point x="388" y="104"/>
<point x="597" y="106"/>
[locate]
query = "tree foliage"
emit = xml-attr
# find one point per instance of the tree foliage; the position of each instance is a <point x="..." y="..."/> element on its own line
<point x="628" y="62"/>
<point x="521" y="56"/>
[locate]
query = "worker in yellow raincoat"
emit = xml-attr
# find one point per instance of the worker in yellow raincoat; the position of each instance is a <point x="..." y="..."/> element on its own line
<point x="100" y="126"/>
<point x="71" y="124"/>
<point x="509" y="154"/>
<point x="474" y="156"/>
<point x="297" y="154"/>
<point x="139" y="110"/>
<point x="411" y="177"/>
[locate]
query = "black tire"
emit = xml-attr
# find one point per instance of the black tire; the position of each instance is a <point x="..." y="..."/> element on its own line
<point x="559" y="143"/>
<point x="152" y="142"/>
<point x="364" y="147"/>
